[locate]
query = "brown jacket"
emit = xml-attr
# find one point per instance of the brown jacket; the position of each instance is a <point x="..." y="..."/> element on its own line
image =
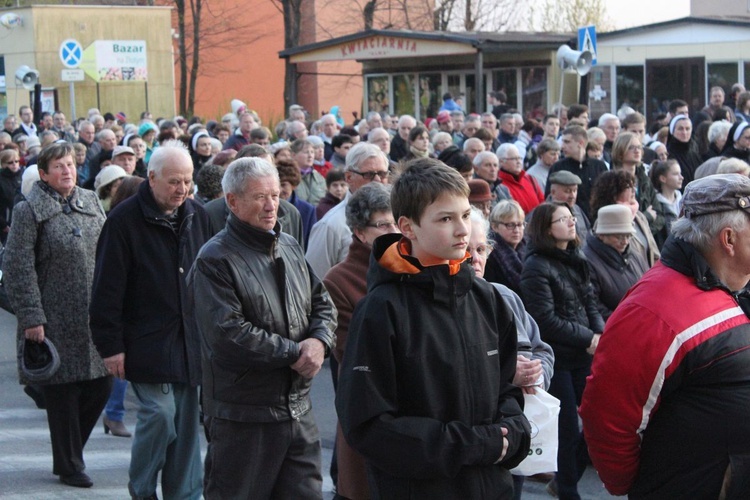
<point x="346" y="283"/>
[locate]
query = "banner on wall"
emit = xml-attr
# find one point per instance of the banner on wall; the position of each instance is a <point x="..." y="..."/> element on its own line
<point x="116" y="61"/>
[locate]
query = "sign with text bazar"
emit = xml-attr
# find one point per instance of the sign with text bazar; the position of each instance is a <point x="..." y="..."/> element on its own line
<point x="116" y="61"/>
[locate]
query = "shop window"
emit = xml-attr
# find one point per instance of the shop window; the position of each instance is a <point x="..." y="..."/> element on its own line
<point x="630" y="87"/>
<point x="723" y="75"/>
<point x="377" y="94"/>
<point x="505" y="80"/>
<point x="534" y="92"/>
<point x="403" y="94"/>
<point x="747" y="74"/>
<point x="430" y="97"/>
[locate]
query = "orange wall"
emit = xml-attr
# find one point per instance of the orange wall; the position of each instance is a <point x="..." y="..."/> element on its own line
<point x="248" y="66"/>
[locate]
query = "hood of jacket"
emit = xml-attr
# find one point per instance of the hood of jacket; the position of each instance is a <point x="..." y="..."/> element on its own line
<point x="390" y="262"/>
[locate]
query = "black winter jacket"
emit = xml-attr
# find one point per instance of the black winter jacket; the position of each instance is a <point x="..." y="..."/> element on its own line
<point x="138" y="303"/>
<point x="557" y="292"/>
<point x="612" y="273"/>
<point x="254" y="299"/>
<point x="425" y="386"/>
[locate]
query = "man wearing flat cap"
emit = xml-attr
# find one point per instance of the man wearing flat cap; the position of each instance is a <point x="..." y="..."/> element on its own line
<point x="665" y="410"/>
<point x="563" y="188"/>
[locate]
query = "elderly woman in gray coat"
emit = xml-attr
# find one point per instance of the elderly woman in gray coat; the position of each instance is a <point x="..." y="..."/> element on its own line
<point x="49" y="265"/>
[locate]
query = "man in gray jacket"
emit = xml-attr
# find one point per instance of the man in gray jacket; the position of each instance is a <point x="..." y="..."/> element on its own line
<point x="266" y="323"/>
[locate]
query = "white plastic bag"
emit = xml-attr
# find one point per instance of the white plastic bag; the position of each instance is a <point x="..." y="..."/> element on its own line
<point x="541" y="409"/>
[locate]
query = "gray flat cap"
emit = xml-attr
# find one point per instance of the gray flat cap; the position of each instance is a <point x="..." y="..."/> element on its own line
<point x="564" y="178"/>
<point x="716" y="193"/>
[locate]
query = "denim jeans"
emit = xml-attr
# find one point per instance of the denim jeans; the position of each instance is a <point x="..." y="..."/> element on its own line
<point x="115" y="409"/>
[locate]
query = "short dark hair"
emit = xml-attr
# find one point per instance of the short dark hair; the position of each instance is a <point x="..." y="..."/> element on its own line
<point x="500" y="95"/>
<point x="220" y="127"/>
<point x="576" y="110"/>
<point x="632" y="119"/>
<point x="349" y="130"/>
<point x="416" y="132"/>
<point x="209" y="181"/>
<point x="288" y="172"/>
<point x="259" y="133"/>
<point x="341" y="139"/>
<point x="128" y="187"/>
<point x="55" y="151"/>
<point x="251" y="151"/>
<point x="538" y="230"/>
<point x="421" y="183"/>
<point x="484" y="135"/>
<point x="455" y="158"/>
<point x="334" y="175"/>
<point x="578" y="132"/>
<point x="547" y="117"/>
<point x="659" y="168"/>
<point x="606" y="188"/>
<point x="447" y="96"/>
<point x="676" y="103"/>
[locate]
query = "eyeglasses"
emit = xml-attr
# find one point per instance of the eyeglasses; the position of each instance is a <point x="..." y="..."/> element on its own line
<point x="382" y="224"/>
<point x="565" y="219"/>
<point x="383" y="174"/>
<point x="513" y="158"/>
<point x="511" y="226"/>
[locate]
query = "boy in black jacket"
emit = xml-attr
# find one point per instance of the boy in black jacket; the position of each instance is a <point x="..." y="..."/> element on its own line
<point x="425" y="388"/>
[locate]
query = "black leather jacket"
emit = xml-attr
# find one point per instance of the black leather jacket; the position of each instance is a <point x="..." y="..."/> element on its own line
<point x="254" y="299"/>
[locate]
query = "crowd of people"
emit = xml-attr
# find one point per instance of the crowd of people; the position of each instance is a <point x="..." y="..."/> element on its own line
<point x="446" y="268"/>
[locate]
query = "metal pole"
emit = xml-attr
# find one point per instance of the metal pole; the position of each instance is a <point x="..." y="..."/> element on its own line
<point x="562" y="85"/>
<point x="72" y="102"/>
<point x="98" y="104"/>
<point x="145" y="84"/>
<point x="479" y="97"/>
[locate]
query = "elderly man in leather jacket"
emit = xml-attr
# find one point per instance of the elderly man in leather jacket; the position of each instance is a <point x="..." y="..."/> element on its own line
<point x="267" y="324"/>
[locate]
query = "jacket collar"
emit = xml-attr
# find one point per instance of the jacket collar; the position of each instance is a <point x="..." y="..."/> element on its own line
<point x="45" y="206"/>
<point x="151" y="210"/>
<point x="257" y="239"/>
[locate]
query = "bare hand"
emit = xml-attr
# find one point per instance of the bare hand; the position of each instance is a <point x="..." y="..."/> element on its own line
<point x="35" y="333"/>
<point x="528" y="371"/>
<point x="505" y="445"/>
<point x="312" y="352"/>
<point x="116" y="365"/>
<point x="594" y="344"/>
<point x="651" y="212"/>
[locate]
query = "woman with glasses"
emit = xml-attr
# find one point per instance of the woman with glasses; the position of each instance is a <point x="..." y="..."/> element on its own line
<point x="522" y="187"/>
<point x="627" y="155"/>
<point x="507" y="226"/>
<point x="10" y="187"/>
<point x="613" y="266"/>
<point x="618" y="187"/>
<point x="557" y="291"/>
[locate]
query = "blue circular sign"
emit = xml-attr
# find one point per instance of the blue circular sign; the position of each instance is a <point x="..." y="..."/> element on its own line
<point x="71" y="53"/>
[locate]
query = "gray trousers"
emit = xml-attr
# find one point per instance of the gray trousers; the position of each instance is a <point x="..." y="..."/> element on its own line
<point x="167" y="440"/>
<point x="279" y="460"/>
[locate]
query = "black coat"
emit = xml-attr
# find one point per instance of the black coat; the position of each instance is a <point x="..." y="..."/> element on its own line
<point x="139" y="296"/>
<point x="557" y="292"/>
<point x="10" y="187"/>
<point x="255" y="298"/>
<point x="399" y="148"/>
<point x="425" y="383"/>
<point x="612" y="273"/>
<point x="686" y="154"/>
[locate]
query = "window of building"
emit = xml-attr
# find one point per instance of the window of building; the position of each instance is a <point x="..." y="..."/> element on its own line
<point x="378" y="93"/>
<point x="534" y="92"/>
<point x="723" y="75"/>
<point x="630" y="87"/>
<point x="403" y="94"/>
<point x="430" y="96"/>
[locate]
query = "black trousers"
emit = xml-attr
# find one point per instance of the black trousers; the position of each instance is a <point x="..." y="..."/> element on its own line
<point x="72" y="412"/>
<point x="263" y="460"/>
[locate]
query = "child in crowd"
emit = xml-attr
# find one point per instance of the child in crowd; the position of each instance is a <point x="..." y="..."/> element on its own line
<point x="594" y="150"/>
<point x="336" y="191"/>
<point x="425" y="388"/>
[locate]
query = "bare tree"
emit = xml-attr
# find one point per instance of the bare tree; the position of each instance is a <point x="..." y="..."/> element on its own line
<point x="563" y="17"/>
<point x="477" y="15"/>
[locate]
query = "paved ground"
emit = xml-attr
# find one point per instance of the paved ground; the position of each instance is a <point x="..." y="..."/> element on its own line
<point x="26" y="462"/>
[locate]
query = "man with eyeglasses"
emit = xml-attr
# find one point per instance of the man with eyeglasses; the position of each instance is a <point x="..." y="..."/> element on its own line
<point x="523" y="188"/>
<point x="330" y="236"/>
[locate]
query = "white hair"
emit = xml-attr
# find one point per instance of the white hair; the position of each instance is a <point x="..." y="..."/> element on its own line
<point x="607" y="117"/>
<point x="164" y="154"/>
<point x="242" y="170"/>
<point x="361" y="152"/>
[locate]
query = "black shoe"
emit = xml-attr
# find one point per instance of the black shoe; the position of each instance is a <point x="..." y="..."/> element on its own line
<point x="79" y="480"/>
